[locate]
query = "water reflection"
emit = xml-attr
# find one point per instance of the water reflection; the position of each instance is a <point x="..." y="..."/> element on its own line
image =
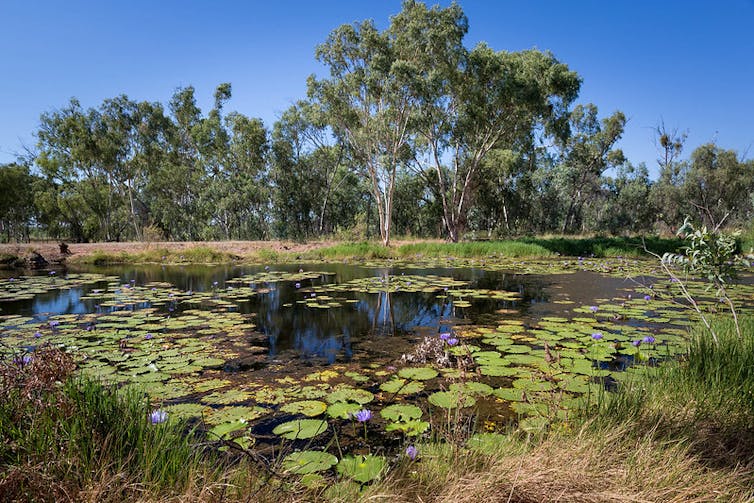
<point x="292" y="327"/>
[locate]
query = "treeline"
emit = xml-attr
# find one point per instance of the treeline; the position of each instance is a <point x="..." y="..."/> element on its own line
<point x="411" y="133"/>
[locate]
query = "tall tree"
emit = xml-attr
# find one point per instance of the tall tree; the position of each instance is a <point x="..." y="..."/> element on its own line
<point x="366" y="107"/>
<point x="584" y="156"/>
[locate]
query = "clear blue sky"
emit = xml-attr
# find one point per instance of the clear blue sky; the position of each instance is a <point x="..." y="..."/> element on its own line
<point x="689" y="63"/>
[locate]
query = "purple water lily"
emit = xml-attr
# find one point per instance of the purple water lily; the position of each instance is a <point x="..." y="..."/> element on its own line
<point x="648" y="339"/>
<point x="445" y="336"/>
<point x="594" y="309"/>
<point x="647" y="298"/>
<point x="412" y="452"/>
<point x="37" y="335"/>
<point x="636" y="342"/>
<point x="298" y="285"/>
<point x="452" y="341"/>
<point x="597" y="336"/>
<point x="22" y="361"/>
<point x="158" y="416"/>
<point x="148" y="336"/>
<point x="363" y="415"/>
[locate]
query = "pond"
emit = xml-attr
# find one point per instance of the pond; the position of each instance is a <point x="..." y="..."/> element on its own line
<point x="280" y="353"/>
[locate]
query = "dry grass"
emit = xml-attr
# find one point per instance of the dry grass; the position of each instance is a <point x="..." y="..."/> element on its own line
<point x="586" y="467"/>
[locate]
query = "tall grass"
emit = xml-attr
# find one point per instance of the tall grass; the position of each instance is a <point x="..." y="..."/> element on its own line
<point x="193" y="255"/>
<point x="475" y="249"/>
<point x="59" y="439"/>
<point x="706" y="399"/>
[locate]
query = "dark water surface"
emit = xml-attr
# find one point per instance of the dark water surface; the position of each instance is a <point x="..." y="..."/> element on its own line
<point x="295" y="330"/>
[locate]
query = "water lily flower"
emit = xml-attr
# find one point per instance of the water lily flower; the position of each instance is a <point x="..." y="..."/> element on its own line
<point x="52" y="273"/>
<point x="148" y="336"/>
<point x="597" y="336"/>
<point x="54" y="324"/>
<point x="214" y="283"/>
<point x="298" y="285"/>
<point x="158" y="416"/>
<point x="445" y="336"/>
<point x="363" y="415"/>
<point x="648" y="339"/>
<point x="637" y="343"/>
<point x="37" y="335"/>
<point x="314" y="294"/>
<point x="452" y="341"/>
<point x="647" y="297"/>
<point x="412" y="452"/>
<point x="22" y="361"/>
<point x="594" y="309"/>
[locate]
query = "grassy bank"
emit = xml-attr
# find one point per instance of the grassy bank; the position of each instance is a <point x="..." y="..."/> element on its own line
<point x="523" y="247"/>
<point x="193" y="255"/>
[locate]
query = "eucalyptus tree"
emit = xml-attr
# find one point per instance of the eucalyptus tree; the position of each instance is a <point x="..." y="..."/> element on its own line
<point x="667" y="195"/>
<point x="468" y="103"/>
<point x="75" y="158"/>
<point x="313" y="187"/>
<point x="176" y="183"/>
<point x="367" y="107"/>
<point x="585" y="155"/>
<point x="17" y="188"/>
<point x="719" y="185"/>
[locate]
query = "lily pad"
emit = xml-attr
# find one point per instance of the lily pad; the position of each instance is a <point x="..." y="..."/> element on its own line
<point x="451" y="399"/>
<point x="305" y="462"/>
<point x="364" y="468"/>
<point x="301" y="429"/>
<point x="417" y="373"/>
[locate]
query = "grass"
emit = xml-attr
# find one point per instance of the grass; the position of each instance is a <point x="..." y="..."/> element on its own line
<point x="193" y="255"/>
<point x="522" y="247"/>
<point x="705" y="400"/>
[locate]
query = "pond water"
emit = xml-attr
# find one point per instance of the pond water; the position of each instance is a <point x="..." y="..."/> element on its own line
<point x="264" y="353"/>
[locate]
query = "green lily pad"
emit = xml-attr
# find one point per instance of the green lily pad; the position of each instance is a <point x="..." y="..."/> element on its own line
<point x="451" y="399"/>
<point x="343" y="410"/>
<point x="402" y="386"/>
<point x="305" y="462"/>
<point x="301" y="429"/>
<point x="401" y="412"/>
<point x="310" y="408"/>
<point x="347" y="394"/>
<point x="362" y="468"/>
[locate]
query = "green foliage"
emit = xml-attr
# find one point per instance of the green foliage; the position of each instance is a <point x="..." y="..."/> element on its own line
<point x="79" y="430"/>
<point x="706" y="399"/>
<point x="709" y="253"/>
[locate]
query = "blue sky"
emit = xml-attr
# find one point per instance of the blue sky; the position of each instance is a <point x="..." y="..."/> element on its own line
<point x="689" y="63"/>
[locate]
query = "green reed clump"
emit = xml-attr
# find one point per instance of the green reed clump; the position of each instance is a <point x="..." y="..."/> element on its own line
<point x="61" y="434"/>
<point x="475" y="249"/>
<point x="365" y="250"/>
<point x="707" y="398"/>
<point x="603" y="246"/>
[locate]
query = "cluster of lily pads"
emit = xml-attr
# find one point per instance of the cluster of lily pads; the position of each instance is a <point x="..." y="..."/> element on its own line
<point x="193" y="353"/>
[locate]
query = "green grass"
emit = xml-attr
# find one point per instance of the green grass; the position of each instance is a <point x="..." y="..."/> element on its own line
<point x="59" y="439"/>
<point x="601" y="246"/>
<point x="365" y="250"/>
<point x="475" y="249"/>
<point x="193" y="255"/>
<point x="706" y="399"/>
<point x="522" y="247"/>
